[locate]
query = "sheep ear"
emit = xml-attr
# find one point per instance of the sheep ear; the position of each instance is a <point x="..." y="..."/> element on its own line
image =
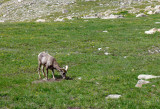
<point x="66" y="67"/>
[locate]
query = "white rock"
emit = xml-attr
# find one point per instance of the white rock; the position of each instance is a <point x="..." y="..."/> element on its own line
<point x="59" y="20"/>
<point x="141" y="82"/>
<point x="157" y="7"/>
<point x="89" y="17"/>
<point x="125" y="56"/>
<point x="99" y="48"/>
<point x="69" y="18"/>
<point x="105" y="31"/>
<point x="19" y="0"/>
<point x="151" y="31"/>
<point x="143" y="76"/>
<point x="113" y="96"/>
<point x="157" y="11"/>
<point x="112" y="16"/>
<point x="141" y="15"/>
<point x="106" y="53"/>
<point x="150" y="12"/>
<point x="40" y="20"/>
<point x="148" y="8"/>
<point x="1" y="21"/>
<point x="79" y="78"/>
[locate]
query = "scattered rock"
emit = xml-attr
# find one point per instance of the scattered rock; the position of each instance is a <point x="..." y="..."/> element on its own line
<point x="141" y="82"/>
<point x="112" y="17"/>
<point x="105" y="31"/>
<point x="59" y="20"/>
<point x="89" y="17"/>
<point x="157" y="11"/>
<point x="106" y="53"/>
<point x="41" y="20"/>
<point x="153" y="85"/>
<point x="143" y="76"/>
<point x="64" y="11"/>
<point x="125" y="56"/>
<point x="148" y="8"/>
<point x="19" y="0"/>
<point x="157" y="7"/>
<point x="69" y="18"/>
<point x="141" y="15"/>
<point x="113" y="96"/>
<point x="80" y="78"/>
<point x="157" y="22"/>
<point x="1" y="21"/>
<point x="151" y="31"/>
<point x="99" y="48"/>
<point x="150" y="12"/>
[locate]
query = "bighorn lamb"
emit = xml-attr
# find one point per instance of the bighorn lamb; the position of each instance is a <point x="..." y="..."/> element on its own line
<point x="46" y="60"/>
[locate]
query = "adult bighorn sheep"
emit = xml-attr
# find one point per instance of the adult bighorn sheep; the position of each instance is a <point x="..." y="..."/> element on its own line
<point x="46" y="60"/>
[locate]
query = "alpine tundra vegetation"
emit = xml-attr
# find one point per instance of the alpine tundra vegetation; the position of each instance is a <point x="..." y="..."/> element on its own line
<point x="109" y="58"/>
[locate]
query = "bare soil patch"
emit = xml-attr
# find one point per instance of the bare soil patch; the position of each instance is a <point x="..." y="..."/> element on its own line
<point x="50" y="80"/>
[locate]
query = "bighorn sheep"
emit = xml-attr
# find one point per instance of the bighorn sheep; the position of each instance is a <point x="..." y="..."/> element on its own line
<point x="46" y="60"/>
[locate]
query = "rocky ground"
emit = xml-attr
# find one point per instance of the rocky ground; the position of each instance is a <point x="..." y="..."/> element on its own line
<point x="46" y="10"/>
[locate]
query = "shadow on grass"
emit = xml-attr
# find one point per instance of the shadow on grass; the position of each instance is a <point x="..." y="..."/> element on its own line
<point x="58" y="78"/>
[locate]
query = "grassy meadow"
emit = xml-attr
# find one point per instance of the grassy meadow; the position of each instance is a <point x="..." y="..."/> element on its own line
<point x="75" y="43"/>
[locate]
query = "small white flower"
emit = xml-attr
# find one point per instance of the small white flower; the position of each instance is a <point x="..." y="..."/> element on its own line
<point x="125" y="56"/>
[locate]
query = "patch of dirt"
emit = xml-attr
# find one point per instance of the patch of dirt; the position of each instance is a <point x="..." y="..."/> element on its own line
<point x="50" y="80"/>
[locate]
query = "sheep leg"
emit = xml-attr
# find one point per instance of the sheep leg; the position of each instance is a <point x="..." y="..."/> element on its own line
<point x="39" y="67"/>
<point x="53" y="74"/>
<point x="47" y="73"/>
<point x="43" y="71"/>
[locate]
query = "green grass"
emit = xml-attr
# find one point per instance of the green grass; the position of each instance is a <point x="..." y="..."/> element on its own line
<point x="75" y="43"/>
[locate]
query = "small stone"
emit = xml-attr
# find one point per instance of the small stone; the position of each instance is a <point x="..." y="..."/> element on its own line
<point x="106" y="53"/>
<point x="141" y="15"/>
<point x="113" y="96"/>
<point x="40" y="20"/>
<point x="150" y="12"/>
<point x="99" y="48"/>
<point x="105" y="31"/>
<point x="125" y="56"/>
<point x="143" y="76"/>
<point x="153" y="85"/>
<point x="79" y="78"/>
<point x="151" y="31"/>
